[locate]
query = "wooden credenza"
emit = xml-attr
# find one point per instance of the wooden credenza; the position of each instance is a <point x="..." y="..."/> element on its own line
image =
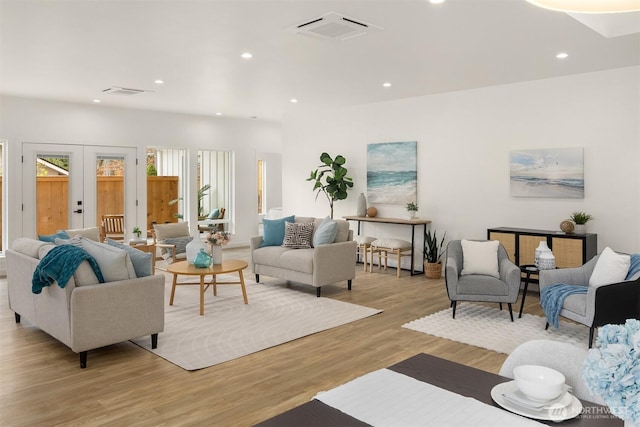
<point x="570" y="250"/>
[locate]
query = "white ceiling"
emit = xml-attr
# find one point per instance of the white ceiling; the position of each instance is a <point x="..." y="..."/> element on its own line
<point x="72" y="50"/>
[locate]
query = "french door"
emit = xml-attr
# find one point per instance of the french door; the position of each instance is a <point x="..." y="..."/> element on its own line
<point x="72" y="186"/>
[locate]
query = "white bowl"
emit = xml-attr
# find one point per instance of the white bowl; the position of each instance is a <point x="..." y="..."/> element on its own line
<point x="539" y="382"/>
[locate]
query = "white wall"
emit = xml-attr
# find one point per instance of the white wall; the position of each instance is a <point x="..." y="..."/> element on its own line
<point x="464" y="139"/>
<point x="42" y="121"/>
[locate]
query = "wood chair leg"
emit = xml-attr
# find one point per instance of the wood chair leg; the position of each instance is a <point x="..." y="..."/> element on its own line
<point x="399" y="259"/>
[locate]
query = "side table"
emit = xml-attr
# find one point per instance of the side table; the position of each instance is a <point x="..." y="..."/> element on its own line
<point x="528" y="270"/>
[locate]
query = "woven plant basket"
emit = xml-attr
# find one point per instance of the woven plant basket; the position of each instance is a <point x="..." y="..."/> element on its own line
<point x="433" y="270"/>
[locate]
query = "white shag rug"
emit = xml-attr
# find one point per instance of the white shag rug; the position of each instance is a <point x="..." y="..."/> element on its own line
<point x="490" y="328"/>
<point x="230" y="329"/>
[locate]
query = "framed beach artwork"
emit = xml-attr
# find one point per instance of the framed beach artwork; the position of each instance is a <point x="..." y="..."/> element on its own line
<point x="556" y="172"/>
<point x="392" y="175"/>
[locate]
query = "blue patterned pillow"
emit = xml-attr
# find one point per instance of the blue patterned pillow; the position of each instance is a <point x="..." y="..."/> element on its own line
<point x="142" y="261"/>
<point x="179" y="242"/>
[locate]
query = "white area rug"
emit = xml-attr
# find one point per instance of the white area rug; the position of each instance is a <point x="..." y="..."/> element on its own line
<point x="230" y="329"/>
<point x="490" y="328"/>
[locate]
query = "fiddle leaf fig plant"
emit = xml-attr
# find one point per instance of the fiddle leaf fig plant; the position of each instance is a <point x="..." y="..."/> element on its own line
<point x="330" y="179"/>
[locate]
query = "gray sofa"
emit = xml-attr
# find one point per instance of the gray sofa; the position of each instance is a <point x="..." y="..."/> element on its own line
<point x="317" y="266"/>
<point x="87" y="316"/>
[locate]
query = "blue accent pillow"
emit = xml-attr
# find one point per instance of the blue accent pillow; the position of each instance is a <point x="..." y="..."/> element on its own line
<point x="214" y="214"/>
<point x="326" y="232"/>
<point x="51" y="238"/>
<point x="141" y="260"/>
<point x="274" y="231"/>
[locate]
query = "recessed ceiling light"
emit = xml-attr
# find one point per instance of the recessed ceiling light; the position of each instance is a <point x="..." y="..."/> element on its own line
<point x="158" y="82"/>
<point x="436" y="1"/>
<point x="562" y="55"/>
<point x="293" y="100"/>
<point x="97" y="101"/>
<point x="218" y="113"/>
<point x="386" y="84"/>
<point x="247" y="55"/>
<point x="253" y="117"/>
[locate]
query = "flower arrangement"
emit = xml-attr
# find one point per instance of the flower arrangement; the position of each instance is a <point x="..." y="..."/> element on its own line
<point x="219" y="238"/>
<point x="612" y="370"/>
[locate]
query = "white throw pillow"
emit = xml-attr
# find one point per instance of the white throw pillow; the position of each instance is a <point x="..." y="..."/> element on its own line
<point x="480" y="258"/>
<point x="114" y="263"/>
<point x="610" y="268"/>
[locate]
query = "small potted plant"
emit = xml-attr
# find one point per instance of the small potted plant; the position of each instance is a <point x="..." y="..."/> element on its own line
<point x="137" y="231"/>
<point x="412" y="208"/>
<point x="580" y="219"/>
<point x="432" y="254"/>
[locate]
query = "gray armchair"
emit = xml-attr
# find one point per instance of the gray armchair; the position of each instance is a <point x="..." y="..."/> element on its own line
<point x="480" y="287"/>
<point x="601" y="305"/>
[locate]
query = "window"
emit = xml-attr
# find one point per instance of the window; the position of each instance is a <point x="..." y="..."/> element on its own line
<point x="214" y="183"/>
<point x="165" y="185"/>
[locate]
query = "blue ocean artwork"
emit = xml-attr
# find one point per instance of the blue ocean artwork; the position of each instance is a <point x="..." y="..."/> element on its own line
<point x="555" y="173"/>
<point x="392" y="172"/>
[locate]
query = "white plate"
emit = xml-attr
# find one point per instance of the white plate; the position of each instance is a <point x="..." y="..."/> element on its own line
<point x="559" y="412"/>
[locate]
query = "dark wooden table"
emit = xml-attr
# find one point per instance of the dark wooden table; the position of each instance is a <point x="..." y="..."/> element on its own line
<point x="442" y="373"/>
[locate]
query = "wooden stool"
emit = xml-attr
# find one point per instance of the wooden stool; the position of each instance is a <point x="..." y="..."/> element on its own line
<point x="364" y="242"/>
<point x="385" y="247"/>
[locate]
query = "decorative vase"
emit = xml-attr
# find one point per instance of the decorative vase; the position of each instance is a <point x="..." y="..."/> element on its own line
<point x="361" y="209"/>
<point x="542" y="247"/>
<point x="432" y="270"/>
<point x="412" y="214"/>
<point x="193" y="247"/>
<point x="216" y="254"/>
<point x="546" y="261"/>
<point x="580" y="229"/>
<point x="202" y="259"/>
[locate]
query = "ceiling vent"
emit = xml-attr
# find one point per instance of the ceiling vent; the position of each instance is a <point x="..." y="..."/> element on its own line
<point x="333" y="26"/>
<point x="123" y="91"/>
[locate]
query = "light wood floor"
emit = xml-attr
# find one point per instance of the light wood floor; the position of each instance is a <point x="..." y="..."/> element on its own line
<point x="41" y="383"/>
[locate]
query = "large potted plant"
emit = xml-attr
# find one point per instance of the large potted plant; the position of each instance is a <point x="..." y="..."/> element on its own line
<point x="331" y="179"/>
<point x="432" y="254"/>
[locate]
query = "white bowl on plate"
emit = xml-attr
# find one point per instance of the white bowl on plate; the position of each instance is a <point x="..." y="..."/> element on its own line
<point x="539" y="382"/>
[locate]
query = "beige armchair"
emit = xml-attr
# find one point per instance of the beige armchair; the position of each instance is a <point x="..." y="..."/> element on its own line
<point x="171" y="239"/>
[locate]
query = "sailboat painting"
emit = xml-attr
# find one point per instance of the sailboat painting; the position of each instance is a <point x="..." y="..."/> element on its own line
<point x="392" y="175"/>
<point x="554" y="173"/>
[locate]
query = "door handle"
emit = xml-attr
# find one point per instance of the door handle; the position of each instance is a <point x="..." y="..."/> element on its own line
<point x="78" y="211"/>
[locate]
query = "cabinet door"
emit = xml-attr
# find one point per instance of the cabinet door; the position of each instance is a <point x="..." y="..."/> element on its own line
<point x="508" y="240"/>
<point x="527" y="248"/>
<point x="568" y="252"/>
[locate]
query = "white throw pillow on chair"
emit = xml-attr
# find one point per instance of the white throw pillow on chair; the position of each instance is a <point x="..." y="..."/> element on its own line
<point x="610" y="268"/>
<point x="480" y="258"/>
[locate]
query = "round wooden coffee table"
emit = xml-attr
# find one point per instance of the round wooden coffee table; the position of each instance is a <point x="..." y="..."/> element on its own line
<point x="186" y="269"/>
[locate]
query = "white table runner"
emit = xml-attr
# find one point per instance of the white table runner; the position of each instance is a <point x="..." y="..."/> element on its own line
<point x="387" y="398"/>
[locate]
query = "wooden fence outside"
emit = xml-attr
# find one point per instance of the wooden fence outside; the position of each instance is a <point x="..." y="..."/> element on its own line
<point x="53" y="200"/>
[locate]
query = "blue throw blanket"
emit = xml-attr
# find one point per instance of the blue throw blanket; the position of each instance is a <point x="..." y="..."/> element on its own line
<point x="552" y="297"/>
<point x="59" y="264"/>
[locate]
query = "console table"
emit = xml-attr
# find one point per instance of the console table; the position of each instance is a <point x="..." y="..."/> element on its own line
<point x="398" y="221"/>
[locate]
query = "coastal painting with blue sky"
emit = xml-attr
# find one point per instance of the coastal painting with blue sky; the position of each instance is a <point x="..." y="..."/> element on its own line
<point x="557" y="173"/>
<point x="392" y="175"/>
